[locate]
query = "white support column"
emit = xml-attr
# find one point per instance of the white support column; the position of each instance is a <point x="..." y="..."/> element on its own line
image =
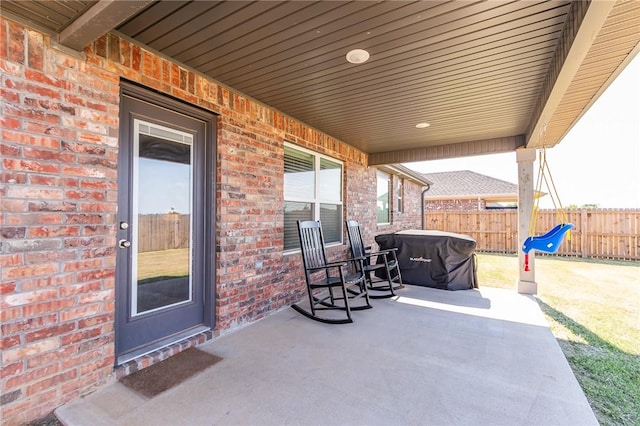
<point x="525" y="157"/>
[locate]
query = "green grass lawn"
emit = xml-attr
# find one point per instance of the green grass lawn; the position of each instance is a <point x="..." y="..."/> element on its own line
<point x="164" y="263"/>
<point x="594" y="312"/>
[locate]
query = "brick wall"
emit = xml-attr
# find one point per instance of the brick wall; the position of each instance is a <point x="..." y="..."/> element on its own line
<point x="59" y="191"/>
<point x="58" y="177"/>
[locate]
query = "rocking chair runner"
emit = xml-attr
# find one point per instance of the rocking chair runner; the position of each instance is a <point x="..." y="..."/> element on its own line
<point x="383" y="269"/>
<point x="325" y="279"/>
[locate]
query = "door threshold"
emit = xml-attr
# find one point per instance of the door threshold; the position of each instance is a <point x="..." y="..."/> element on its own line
<point x="161" y="344"/>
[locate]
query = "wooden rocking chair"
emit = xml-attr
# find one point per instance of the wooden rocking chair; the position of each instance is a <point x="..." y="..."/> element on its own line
<point x="386" y="269"/>
<point x="325" y="279"/>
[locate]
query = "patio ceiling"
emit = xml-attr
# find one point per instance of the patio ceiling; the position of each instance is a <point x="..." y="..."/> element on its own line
<point x="487" y="76"/>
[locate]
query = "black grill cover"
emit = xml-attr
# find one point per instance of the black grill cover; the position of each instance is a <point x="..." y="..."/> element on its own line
<point x="436" y="259"/>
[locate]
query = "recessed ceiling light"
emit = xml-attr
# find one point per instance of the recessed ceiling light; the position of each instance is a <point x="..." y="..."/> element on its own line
<point x="357" y="56"/>
<point x="422" y="125"/>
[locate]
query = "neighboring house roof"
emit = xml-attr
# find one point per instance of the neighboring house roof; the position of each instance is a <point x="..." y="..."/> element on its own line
<point x="465" y="184"/>
<point x="407" y="173"/>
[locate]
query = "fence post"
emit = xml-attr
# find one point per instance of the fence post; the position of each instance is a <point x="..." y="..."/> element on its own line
<point x="583" y="233"/>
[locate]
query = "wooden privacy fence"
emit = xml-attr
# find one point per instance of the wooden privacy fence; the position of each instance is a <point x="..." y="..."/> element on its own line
<point x="597" y="233"/>
<point x="163" y="231"/>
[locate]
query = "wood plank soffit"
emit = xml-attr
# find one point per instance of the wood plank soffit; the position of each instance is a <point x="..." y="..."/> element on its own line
<point x="99" y="20"/>
<point x="463" y="149"/>
<point x="584" y="21"/>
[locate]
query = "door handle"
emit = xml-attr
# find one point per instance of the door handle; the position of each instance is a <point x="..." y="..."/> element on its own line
<point x="124" y="244"/>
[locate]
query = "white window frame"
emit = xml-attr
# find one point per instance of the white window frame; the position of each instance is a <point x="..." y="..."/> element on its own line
<point x="399" y="194"/>
<point x="314" y="199"/>
<point x="385" y="176"/>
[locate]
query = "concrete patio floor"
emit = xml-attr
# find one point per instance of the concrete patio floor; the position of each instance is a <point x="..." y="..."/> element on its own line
<point x="428" y="357"/>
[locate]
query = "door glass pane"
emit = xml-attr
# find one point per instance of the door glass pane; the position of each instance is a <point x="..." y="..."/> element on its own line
<point x="162" y="211"/>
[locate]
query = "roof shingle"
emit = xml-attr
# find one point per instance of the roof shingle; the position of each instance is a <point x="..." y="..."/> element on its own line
<point x="467" y="184"/>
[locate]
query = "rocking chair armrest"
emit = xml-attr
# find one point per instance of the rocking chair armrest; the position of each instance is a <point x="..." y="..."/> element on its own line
<point x="381" y="252"/>
<point x="328" y="266"/>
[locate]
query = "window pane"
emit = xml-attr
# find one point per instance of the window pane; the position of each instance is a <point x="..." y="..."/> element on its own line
<point x="330" y="181"/>
<point x="331" y="219"/>
<point x="299" y="179"/>
<point x="293" y="212"/>
<point x="382" y="209"/>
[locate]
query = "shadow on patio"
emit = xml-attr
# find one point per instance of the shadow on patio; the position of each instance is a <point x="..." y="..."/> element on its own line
<point x="428" y="356"/>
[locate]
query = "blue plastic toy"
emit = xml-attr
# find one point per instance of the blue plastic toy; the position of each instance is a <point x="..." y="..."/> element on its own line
<point x="549" y="242"/>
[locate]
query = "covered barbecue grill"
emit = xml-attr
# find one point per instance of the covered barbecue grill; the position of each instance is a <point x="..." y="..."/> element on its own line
<point x="436" y="259"/>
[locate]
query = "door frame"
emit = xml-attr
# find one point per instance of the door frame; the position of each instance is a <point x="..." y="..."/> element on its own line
<point x="172" y="105"/>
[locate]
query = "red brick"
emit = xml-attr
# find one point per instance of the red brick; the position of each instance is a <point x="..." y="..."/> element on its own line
<point x="43" y="180"/>
<point x="3" y="39"/>
<point x="16" y="413"/>
<point x="11" y="369"/>
<point x="9" y="232"/>
<point x="71" y="290"/>
<point x="46" y="104"/>
<point x="49" y="281"/>
<point x="31" y="113"/>
<point x="94" y="275"/>
<point x="41" y="77"/>
<point x="83" y="148"/>
<point x="11" y="177"/>
<point x="85" y="218"/>
<point x="47" y="307"/>
<point x="29" y="324"/>
<point x="82" y="358"/>
<point x="96" y="320"/>
<point x="81" y="336"/>
<point x="98" y="364"/>
<point x="53" y="231"/>
<point x="32" y="166"/>
<point x="31" y="375"/>
<point x="100" y="296"/>
<point x="35" y="49"/>
<point x="7" y="342"/>
<point x="34" y="219"/>
<point x="52" y="357"/>
<point x="35" y="348"/>
<point x="81" y="312"/>
<point x="7" y="287"/>
<point x="24" y="298"/>
<point x="51" y="381"/>
<point x="94" y="172"/>
<point x="15" y="43"/>
<point x="46" y="154"/>
<point x="48" y="332"/>
<point x="79" y="195"/>
<point x="9" y="150"/>
<point x="98" y="184"/>
<point x="84" y="242"/>
<point x="27" y="139"/>
<point x="80" y="265"/>
<point x="10" y="314"/>
<point x="98" y="252"/>
<point x="31" y="271"/>
<point x="46" y="129"/>
<point x="34" y="193"/>
<point x="25" y="87"/>
<point x="9" y="122"/>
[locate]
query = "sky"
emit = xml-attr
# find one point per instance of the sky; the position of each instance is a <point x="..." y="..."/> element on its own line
<point x="597" y="162"/>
